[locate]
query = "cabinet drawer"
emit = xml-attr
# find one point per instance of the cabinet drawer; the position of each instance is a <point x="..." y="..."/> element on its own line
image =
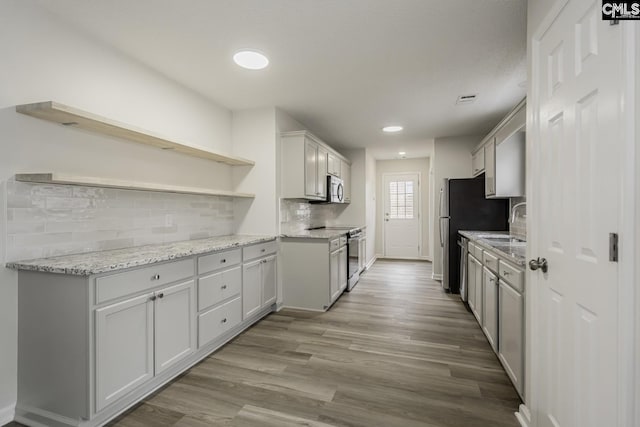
<point x="217" y="287"/>
<point x="478" y="252"/>
<point x="334" y="244"/>
<point x="219" y="320"/>
<point x="219" y="260"/>
<point x="343" y="241"/>
<point x="490" y="261"/>
<point x="131" y="282"/>
<point x="512" y="275"/>
<point x="261" y="249"/>
<point x="471" y="248"/>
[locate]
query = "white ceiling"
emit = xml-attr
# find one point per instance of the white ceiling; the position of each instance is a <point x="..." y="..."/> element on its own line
<point x="344" y="68"/>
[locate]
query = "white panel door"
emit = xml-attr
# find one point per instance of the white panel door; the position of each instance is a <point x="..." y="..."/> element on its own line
<point x="269" y="280"/>
<point x="251" y="288"/>
<point x="575" y="170"/>
<point x="175" y="324"/>
<point x="401" y="222"/>
<point x="124" y="348"/>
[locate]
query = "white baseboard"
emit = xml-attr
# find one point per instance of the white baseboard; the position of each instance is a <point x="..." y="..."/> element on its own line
<point x="7" y="414"/>
<point x="523" y="416"/>
<point x="437" y="277"/>
<point x="370" y="263"/>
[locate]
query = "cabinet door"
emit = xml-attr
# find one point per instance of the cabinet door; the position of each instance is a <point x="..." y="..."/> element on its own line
<point x="310" y="168"/>
<point x="269" y="280"/>
<point x="346" y="180"/>
<point x="124" y="348"/>
<point x="511" y="334"/>
<point x="477" y="162"/>
<point x="251" y="288"/>
<point x="343" y="261"/>
<point x="334" y="274"/>
<point x="334" y="167"/>
<point x="175" y="324"/>
<point x="479" y="290"/>
<point x="471" y="283"/>
<point x="322" y="172"/>
<point x="490" y="168"/>
<point x="490" y="318"/>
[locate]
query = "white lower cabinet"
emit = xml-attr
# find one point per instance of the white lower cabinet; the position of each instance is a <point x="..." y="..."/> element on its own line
<point x="124" y="348"/>
<point x="511" y="333"/>
<point x="338" y="261"/>
<point x="490" y="308"/>
<point x="175" y="324"/>
<point x="121" y="335"/>
<point x="259" y="285"/>
<point x="471" y="283"/>
<point x="479" y="285"/>
<point x="141" y="337"/>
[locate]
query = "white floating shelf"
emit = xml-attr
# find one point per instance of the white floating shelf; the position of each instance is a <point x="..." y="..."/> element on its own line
<point x="69" y="116"/>
<point x="60" y="178"/>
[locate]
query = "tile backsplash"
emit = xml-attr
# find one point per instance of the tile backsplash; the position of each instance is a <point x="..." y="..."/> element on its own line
<point x="47" y="220"/>
<point x="298" y="215"/>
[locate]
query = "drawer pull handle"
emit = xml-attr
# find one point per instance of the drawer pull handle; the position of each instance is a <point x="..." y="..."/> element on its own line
<point x="152" y="297"/>
<point x="160" y="295"/>
<point x="506" y="273"/>
<point x="223" y="260"/>
<point x="224" y="320"/>
<point x="155" y="277"/>
<point x="223" y="287"/>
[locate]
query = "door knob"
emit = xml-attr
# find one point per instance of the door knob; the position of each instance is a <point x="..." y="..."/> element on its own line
<point x="540" y="263"/>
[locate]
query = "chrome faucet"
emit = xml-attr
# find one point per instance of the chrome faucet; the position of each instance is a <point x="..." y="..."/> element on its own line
<point x="513" y="210"/>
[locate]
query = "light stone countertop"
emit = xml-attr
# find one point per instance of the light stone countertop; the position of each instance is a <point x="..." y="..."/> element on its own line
<point x="315" y="234"/>
<point x="515" y="253"/>
<point x="119" y="259"/>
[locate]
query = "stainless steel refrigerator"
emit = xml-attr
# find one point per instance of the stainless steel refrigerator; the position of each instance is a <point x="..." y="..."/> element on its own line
<point x="464" y="207"/>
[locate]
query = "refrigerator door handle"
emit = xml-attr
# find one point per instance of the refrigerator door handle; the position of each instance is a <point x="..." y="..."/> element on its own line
<point x="440" y="201"/>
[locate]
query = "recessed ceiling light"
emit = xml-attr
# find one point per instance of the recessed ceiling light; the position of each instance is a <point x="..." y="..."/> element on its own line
<point x="391" y="129"/>
<point x="251" y="59"/>
<point x="402" y="153"/>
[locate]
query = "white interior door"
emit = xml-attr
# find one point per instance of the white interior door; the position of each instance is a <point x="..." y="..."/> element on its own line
<point x="401" y="219"/>
<point x="575" y="147"/>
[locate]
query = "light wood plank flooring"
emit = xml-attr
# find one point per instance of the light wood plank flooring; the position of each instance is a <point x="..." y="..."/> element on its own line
<point x="397" y="351"/>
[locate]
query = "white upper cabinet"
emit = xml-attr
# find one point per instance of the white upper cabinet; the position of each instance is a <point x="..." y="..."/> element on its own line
<point x="306" y="162"/>
<point x="504" y="157"/>
<point x="477" y="162"/>
<point x="346" y="180"/>
<point x="334" y="165"/>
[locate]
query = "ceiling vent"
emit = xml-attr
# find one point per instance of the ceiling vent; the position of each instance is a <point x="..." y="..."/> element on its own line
<point x="466" y="99"/>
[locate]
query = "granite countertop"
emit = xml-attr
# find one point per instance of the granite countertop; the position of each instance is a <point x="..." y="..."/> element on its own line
<point x="514" y="252"/>
<point x="118" y="259"/>
<point x="315" y="234"/>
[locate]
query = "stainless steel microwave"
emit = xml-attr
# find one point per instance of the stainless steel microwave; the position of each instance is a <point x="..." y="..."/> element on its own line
<point x="335" y="189"/>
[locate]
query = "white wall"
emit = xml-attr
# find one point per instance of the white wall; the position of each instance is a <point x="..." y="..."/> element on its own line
<point x="421" y="165"/>
<point x="452" y="159"/>
<point x="370" y="204"/>
<point x="44" y="59"/>
<point x="254" y="137"/>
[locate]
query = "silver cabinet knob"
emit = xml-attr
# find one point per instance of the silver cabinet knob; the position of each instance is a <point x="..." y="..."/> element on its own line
<point x="160" y="295"/>
<point x="224" y="320"/>
<point x="223" y="287"/>
<point x="155" y="277"/>
<point x="540" y="263"/>
<point x="152" y="297"/>
<point x="223" y="261"/>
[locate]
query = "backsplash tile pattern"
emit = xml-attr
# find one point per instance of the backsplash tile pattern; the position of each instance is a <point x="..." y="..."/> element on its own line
<point x="47" y="220"/>
<point x="299" y="215"/>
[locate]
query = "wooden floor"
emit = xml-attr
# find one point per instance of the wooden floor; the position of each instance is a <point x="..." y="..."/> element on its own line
<point x="397" y="351"/>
